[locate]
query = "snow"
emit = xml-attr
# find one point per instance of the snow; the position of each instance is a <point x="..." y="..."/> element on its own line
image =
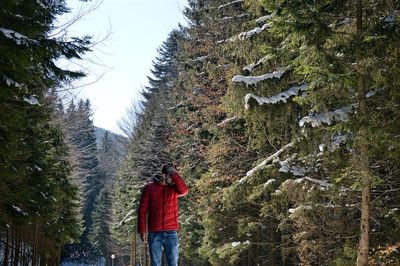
<point x="327" y="117"/>
<point x="235" y="244"/>
<point x="68" y="263"/>
<point x="341" y="23"/>
<point x="338" y="140"/>
<point x="370" y="94"/>
<point x="280" y="97"/>
<point x="32" y="100"/>
<point x="15" y="36"/>
<point x="269" y="182"/>
<point x="301" y="207"/>
<point x="40" y="3"/>
<point x="201" y="58"/>
<point x="322" y="184"/>
<point x="264" y="163"/>
<point x="227" y="120"/>
<point x="321" y="147"/>
<point x="293" y="211"/>
<point x="246" y="34"/>
<point x="261" y="61"/>
<point x="127" y="217"/>
<point x="264" y="18"/>
<point x="391" y="19"/>
<point x="229" y="4"/>
<point x="295" y="170"/>
<point x="243" y="15"/>
<point x="19" y="210"/>
<point x="253" y="80"/>
<point x="251" y="33"/>
<point x="10" y="82"/>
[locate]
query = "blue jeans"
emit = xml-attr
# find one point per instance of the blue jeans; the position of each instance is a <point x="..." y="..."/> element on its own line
<point x="168" y="240"/>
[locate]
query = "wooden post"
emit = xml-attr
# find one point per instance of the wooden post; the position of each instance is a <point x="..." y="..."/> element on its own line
<point x="133" y="250"/>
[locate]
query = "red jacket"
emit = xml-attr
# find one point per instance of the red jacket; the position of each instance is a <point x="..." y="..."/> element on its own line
<point x="158" y="207"/>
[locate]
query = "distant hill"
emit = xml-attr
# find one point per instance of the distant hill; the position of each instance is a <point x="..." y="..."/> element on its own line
<point x="118" y="140"/>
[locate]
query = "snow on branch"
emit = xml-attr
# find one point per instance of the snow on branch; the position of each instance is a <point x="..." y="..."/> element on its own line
<point x="294" y="211"/>
<point x="238" y="243"/>
<point x="286" y="167"/>
<point x="126" y="218"/>
<point x="41" y="4"/>
<point x="18" y="38"/>
<point x="253" y="80"/>
<point x="251" y="33"/>
<point x="246" y="34"/>
<point x="32" y="100"/>
<point x="10" y="82"/>
<point x="227" y="120"/>
<point x="229" y="4"/>
<point x="179" y="105"/>
<point x="328" y="118"/>
<point x="341" y="23"/>
<point x="259" y="62"/>
<point x="264" y="163"/>
<point x="264" y="18"/>
<point x="321" y="183"/>
<point x="269" y="182"/>
<point x="243" y="15"/>
<point x="19" y="210"/>
<point x="280" y="97"/>
<point x="201" y="58"/>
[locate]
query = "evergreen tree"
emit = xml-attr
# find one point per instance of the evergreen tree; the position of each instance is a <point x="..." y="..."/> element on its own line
<point x="99" y="234"/>
<point x="38" y="198"/>
<point x="80" y="131"/>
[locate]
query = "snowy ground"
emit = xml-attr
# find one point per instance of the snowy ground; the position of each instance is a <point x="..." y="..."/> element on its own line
<point x="101" y="262"/>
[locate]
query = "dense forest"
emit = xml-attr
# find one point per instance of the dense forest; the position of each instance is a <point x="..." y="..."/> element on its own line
<point x="282" y="117"/>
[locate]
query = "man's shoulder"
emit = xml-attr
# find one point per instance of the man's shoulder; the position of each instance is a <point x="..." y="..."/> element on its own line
<point x="151" y="185"/>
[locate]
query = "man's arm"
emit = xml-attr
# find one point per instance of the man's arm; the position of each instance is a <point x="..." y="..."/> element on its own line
<point x="142" y="212"/>
<point x="180" y="185"/>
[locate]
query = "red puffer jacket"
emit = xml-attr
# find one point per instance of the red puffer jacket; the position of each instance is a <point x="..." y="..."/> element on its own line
<point x="158" y="207"/>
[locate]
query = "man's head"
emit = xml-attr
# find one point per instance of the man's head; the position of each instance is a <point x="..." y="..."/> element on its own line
<point x="168" y="168"/>
<point x="166" y="171"/>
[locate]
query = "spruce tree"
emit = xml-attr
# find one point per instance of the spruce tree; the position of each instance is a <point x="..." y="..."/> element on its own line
<point x="80" y="132"/>
<point x="38" y="198"/>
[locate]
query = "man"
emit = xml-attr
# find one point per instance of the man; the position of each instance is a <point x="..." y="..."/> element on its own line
<point x="158" y="214"/>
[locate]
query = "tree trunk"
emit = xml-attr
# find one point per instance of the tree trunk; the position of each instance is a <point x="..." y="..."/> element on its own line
<point x="6" y="248"/>
<point x="34" y="244"/>
<point x="363" y="246"/>
<point x="17" y="246"/>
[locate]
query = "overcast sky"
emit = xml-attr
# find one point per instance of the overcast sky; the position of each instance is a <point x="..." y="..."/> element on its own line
<point x="123" y="61"/>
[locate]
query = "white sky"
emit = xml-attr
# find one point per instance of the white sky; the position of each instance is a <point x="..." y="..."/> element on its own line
<point x="124" y="60"/>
